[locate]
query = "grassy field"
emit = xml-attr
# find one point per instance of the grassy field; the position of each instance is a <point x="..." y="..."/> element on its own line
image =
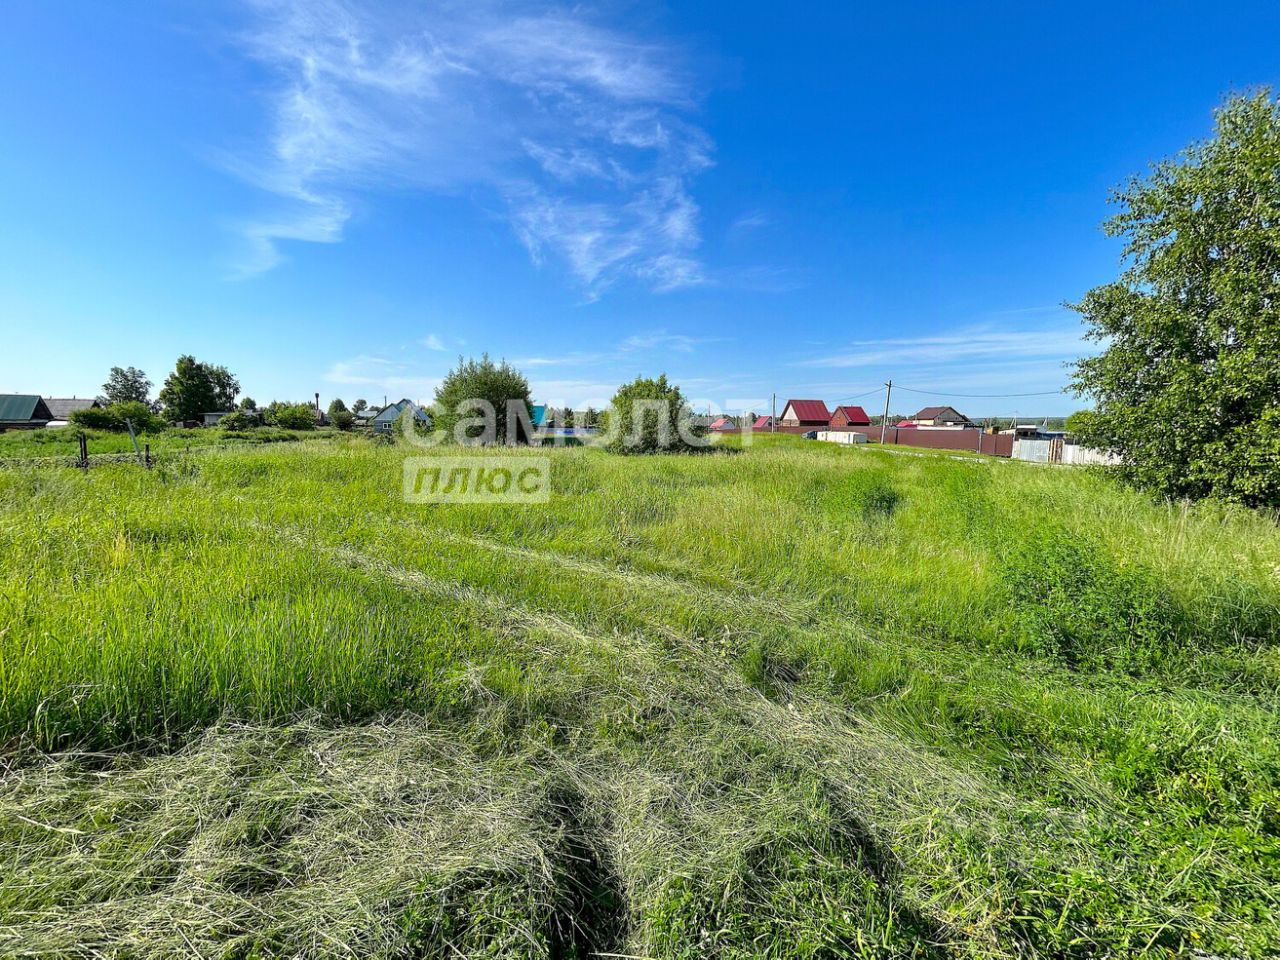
<point x="62" y="442"/>
<point x="795" y="701"/>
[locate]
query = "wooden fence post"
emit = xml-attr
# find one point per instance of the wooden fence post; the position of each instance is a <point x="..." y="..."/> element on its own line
<point x="84" y="453"/>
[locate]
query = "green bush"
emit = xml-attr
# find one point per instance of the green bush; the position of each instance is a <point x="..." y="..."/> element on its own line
<point x="113" y="418"/>
<point x="651" y="416"/>
<point x="239" y="420"/>
<point x="291" y="416"/>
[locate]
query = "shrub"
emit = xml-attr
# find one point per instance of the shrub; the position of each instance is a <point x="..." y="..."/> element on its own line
<point x="342" y="419"/>
<point x="291" y="416"/>
<point x="651" y="416"/>
<point x="408" y="422"/>
<point x="114" y="416"/>
<point x="239" y="420"/>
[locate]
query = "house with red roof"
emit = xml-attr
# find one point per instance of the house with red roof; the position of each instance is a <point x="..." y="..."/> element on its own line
<point x="763" y="423"/>
<point x="805" y="413"/>
<point x="849" y="417"/>
<point x="723" y="423"/>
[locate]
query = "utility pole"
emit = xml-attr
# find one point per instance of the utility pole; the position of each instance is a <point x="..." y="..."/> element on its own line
<point x="884" y="422"/>
<point x="773" y="419"/>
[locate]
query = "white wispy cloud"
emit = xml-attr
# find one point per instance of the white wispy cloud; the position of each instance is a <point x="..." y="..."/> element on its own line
<point x="580" y="131"/>
<point x="628" y="348"/>
<point x="432" y="342"/>
<point x="671" y="341"/>
<point x="751" y="220"/>
<point x="977" y="343"/>
<point x="375" y="375"/>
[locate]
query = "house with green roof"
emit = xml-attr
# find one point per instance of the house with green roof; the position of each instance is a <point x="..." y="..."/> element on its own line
<point x="23" y="411"/>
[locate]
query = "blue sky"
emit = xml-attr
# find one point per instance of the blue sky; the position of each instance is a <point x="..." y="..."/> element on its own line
<point x="343" y="197"/>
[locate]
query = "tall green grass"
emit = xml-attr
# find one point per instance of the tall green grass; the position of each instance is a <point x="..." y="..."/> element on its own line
<point x="794" y="701"/>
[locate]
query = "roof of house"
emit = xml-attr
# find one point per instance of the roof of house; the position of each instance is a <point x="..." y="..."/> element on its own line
<point x="63" y="407"/>
<point x="808" y="410"/>
<point x="935" y="413"/>
<point x="762" y="423"/>
<point x="723" y="423"/>
<point x="23" y="408"/>
<point x="852" y="414"/>
<point x="392" y="410"/>
<point x="906" y="423"/>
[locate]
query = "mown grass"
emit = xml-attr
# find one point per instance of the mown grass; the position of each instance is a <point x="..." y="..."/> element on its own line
<point x="794" y="701"/>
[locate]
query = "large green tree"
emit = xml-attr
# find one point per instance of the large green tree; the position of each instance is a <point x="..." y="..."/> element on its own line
<point x="502" y="411"/>
<point x="196" y="388"/>
<point x="126" y="385"/>
<point x="1187" y="389"/>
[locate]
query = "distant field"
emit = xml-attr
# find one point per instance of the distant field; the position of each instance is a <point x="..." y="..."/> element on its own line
<point x="798" y="701"/>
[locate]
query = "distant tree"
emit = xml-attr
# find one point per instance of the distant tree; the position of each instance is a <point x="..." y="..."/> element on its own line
<point x="248" y="403"/>
<point x="590" y="417"/>
<point x="225" y="387"/>
<point x="1079" y="423"/>
<point x="360" y="406"/>
<point x="651" y="416"/>
<point x="500" y="386"/>
<point x="336" y="406"/>
<point x="196" y="388"/>
<point x="124" y="385"/>
<point x="568" y="417"/>
<point x="1187" y="391"/>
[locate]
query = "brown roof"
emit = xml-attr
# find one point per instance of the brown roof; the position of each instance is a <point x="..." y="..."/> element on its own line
<point x="936" y="413"/>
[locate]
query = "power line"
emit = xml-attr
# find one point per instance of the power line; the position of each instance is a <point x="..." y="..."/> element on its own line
<point x="859" y="396"/>
<point x="982" y="396"/>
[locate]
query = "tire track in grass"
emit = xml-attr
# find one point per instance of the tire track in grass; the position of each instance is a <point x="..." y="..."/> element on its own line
<point x="903" y="803"/>
<point x="788" y="611"/>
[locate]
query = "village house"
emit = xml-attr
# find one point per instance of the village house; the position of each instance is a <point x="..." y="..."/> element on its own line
<point x="939" y="418"/>
<point x="845" y="417"/>
<point x="805" y="413"/>
<point x="763" y="423"/>
<point x="23" y="411"/>
<point x="385" y="421"/>
<point x="723" y="423"/>
<point x="63" y="407"/>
